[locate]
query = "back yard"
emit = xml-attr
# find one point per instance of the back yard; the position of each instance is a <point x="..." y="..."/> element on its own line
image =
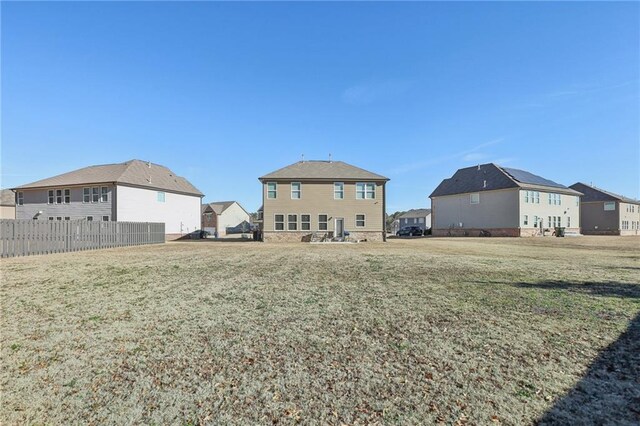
<point x="483" y="331"/>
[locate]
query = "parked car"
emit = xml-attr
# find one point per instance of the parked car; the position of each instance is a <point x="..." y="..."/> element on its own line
<point x="410" y="231"/>
<point x="199" y="233"/>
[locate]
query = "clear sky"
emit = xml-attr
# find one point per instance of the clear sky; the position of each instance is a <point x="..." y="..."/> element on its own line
<point x="225" y="92"/>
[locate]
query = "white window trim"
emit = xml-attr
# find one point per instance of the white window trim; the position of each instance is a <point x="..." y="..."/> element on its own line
<point x="284" y="222"/>
<point x="366" y="190"/>
<point x="299" y="190"/>
<point x="326" y="222"/>
<point x="341" y="191"/>
<point x="365" y="220"/>
<point x="105" y="193"/>
<point x="301" y="222"/>
<point x="86" y="189"/>
<point x="51" y="196"/>
<point x="51" y="218"/>
<point x="275" y="190"/>
<point x="64" y="196"/>
<point x="288" y="221"/>
<point x="609" y="203"/>
<point x="20" y="198"/>
<point x="164" y="197"/>
<point x="471" y="198"/>
<point x="89" y="218"/>
<point x="95" y="190"/>
<point x="108" y="218"/>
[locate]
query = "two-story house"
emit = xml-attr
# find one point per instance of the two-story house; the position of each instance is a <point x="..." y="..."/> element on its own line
<point x="133" y="191"/>
<point x="327" y="197"/>
<point x="605" y="213"/>
<point x="224" y="216"/>
<point x="491" y="200"/>
<point x="416" y="217"/>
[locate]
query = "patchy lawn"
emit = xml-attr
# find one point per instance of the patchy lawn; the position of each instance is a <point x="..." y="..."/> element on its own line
<point x="495" y="331"/>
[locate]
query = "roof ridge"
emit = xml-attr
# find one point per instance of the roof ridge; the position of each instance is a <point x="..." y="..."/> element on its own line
<point x="507" y="173"/>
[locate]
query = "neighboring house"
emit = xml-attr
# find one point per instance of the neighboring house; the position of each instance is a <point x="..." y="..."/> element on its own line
<point x="7" y="204"/>
<point x="133" y="191"/>
<point x="416" y="217"/>
<point x="605" y="213"/>
<point x="224" y="216"/>
<point x="323" y="197"/>
<point x="504" y="202"/>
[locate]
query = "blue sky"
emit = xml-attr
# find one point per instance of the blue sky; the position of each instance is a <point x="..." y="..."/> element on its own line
<point x="225" y="92"/>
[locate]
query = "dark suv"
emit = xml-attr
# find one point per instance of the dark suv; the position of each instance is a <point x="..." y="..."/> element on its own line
<point x="410" y="231"/>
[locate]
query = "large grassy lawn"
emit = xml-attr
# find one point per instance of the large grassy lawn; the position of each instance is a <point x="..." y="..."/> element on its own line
<point x="484" y="331"/>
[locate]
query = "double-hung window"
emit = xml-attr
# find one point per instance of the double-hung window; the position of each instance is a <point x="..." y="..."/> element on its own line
<point x="59" y="196"/>
<point x="95" y="194"/>
<point x="20" y="198"/>
<point x="296" y="190"/>
<point x="526" y="220"/>
<point x="52" y="197"/>
<point x="365" y="191"/>
<point x="536" y="196"/>
<point x="104" y="194"/>
<point x="305" y="222"/>
<point x="272" y="190"/>
<point x="360" y="221"/>
<point x="338" y="190"/>
<point x="161" y="197"/>
<point x="292" y="222"/>
<point x="278" y="221"/>
<point x="568" y="221"/>
<point x="86" y="195"/>
<point x="67" y="196"/>
<point x="322" y="222"/>
<point x="105" y="218"/>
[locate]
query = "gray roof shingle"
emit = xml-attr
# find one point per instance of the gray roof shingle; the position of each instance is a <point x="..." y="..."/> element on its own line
<point x="415" y="213"/>
<point x="592" y="193"/>
<point x="7" y="197"/>
<point x="133" y="172"/>
<point x="322" y="170"/>
<point x="219" y="207"/>
<point x="489" y="177"/>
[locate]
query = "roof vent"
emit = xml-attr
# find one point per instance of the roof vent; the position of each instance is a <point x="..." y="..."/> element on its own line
<point x="303" y="158"/>
<point x="329" y="157"/>
<point x="149" y="164"/>
<point x="478" y="166"/>
<point x="484" y="184"/>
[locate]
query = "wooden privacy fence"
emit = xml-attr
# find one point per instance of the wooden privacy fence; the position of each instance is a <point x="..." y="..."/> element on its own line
<point x="27" y="237"/>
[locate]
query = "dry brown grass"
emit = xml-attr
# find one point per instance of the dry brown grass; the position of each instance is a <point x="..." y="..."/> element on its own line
<point x="412" y="331"/>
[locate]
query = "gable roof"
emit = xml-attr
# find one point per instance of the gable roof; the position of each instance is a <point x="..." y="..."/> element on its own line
<point x="7" y="197"/>
<point x="415" y="213"/>
<point x="322" y="170"/>
<point x="490" y="177"/>
<point x="218" y="207"/>
<point x="592" y="193"/>
<point x="132" y="172"/>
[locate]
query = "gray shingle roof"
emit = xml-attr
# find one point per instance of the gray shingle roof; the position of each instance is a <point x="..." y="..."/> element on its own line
<point x="323" y="170"/>
<point x="592" y="193"/>
<point x="415" y="213"/>
<point x="220" y="206"/>
<point x="489" y="177"/>
<point x="133" y="172"/>
<point x="7" y="197"/>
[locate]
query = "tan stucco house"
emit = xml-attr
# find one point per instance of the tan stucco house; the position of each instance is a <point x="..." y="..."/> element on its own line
<point x="133" y="191"/>
<point x="491" y="200"/>
<point x="605" y="213"/>
<point x="328" y="198"/>
<point x="7" y="204"/>
<point x="224" y="217"/>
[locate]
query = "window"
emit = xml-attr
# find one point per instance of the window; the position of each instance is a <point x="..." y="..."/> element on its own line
<point x="555" y="199"/>
<point x="568" y="221"/>
<point x="338" y="190"/>
<point x="559" y="218"/>
<point x="67" y="218"/>
<point x="305" y="222"/>
<point x="322" y="222"/>
<point x="105" y="218"/>
<point x="51" y="199"/>
<point x="536" y="196"/>
<point x="475" y="198"/>
<point x="415" y="220"/>
<point x="549" y="221"/>
<point x="104" y="194"/>
<point x="86" y="195"/>
<point x="67" y="196"/>
<point x="296" y="190"/>
<point x="279" y="222"/>
<point x="161" y="197"/>
<point x="360" y="221"/>
<point x="535" y="221"/>
<point x="90" y="218"/>
<point x="58" y="196"/>
<point x="50" y="217"/>
<point x="421" y="220"/>
<point x="526" y="219"/>
<point x="292" y="222"/>
<point x="95" y="194"/>
<point x="609" y="206"/>
<point x="272" y="190"/>
<point x="526" y="196"/>
<point x="577" y="201"/>
<point x="532" y="197"/>
<point x="365" y="191"/>
<point x="20" y="198"/>
<point x="59" y="218"/>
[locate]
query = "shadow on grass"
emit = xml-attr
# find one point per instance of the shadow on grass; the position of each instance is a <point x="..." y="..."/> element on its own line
<point x="609" y="392"/>
<point x="604" y="289"/>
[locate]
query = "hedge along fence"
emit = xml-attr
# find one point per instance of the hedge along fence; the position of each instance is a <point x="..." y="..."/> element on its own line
<point x="28" y="237"/>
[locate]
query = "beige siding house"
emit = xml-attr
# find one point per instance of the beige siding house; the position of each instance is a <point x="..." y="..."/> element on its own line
<point x="605" y="213"/>
<point x="500" y="201"/>
<point x="7" y="204"/>
<point x="326" y="198"/>
<point x="224" y="216"/>
<point x="133" y="191"/>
